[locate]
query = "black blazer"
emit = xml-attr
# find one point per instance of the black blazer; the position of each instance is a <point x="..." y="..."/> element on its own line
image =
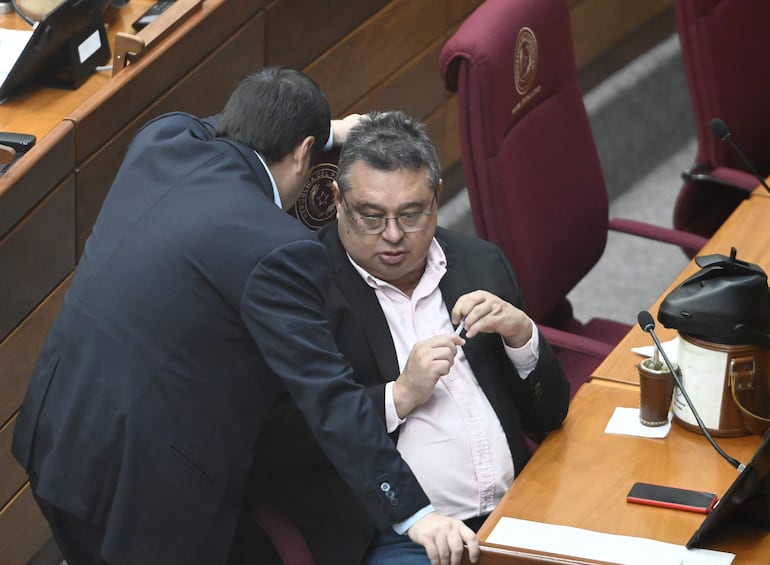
<point x="195" y="302"/>
<point x="320" y="504"/>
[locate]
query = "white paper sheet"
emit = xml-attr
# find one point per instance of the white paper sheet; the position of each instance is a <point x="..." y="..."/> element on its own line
<point x="12" y="43"/>
<point x="577" y="542"/>
<point x="625" y="421"/>
<point x="671" y="348"/>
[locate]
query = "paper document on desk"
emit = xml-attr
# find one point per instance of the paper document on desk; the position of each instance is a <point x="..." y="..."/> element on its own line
<point x="625" y="421"/>
<point x="12" y="43"/>
<point x="671" y="347"/>
<point x="609" y="548"/>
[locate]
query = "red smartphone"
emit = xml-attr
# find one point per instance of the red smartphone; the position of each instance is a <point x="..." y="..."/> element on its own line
<point x="670" y="497"/>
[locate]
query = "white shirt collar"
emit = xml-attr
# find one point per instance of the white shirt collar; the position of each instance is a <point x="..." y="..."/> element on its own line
<point x="435" y="268"/>
<point x="276" y="195"/>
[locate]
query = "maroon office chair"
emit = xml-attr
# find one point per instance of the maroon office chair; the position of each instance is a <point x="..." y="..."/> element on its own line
<point x="535" y="184"/>
<point x="286" y="538"/>
<point x="727" y="61"/>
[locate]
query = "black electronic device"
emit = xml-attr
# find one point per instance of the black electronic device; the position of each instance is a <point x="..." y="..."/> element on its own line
<point x="20" y="142"/>
<point x="151" y="14"/>
<point x="66" y="46"/>
<point x="672" y="497"/>
<point x="746" y="502"/>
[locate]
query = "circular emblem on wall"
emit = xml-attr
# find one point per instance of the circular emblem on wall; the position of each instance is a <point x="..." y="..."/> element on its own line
<point x="315" y="206"/>
<point x="525" y="60"/>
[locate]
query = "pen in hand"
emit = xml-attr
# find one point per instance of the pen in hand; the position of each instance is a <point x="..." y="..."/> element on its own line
<point x="460" y="327"/>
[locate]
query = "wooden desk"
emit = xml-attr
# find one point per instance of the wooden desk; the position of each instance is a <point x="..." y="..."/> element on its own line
<point x="746" y="230"/>
<point x="579" y="477"/>
<point x="47" y="106"/>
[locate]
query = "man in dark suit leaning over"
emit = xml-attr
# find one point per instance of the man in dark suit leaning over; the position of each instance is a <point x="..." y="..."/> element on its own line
<point x="400" y="287"/>
<point x="196" y="301"/>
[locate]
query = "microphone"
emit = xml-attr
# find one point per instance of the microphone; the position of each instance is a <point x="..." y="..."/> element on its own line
<point x="648" y="325"/>
<point x="719" y="128"/>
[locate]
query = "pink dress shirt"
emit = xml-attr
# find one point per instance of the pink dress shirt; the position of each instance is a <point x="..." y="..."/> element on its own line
<point x="454" y="442"/>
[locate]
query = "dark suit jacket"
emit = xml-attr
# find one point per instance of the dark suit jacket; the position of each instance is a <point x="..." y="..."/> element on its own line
<point x="311" y="493"/>
<point x="195" y="302"/>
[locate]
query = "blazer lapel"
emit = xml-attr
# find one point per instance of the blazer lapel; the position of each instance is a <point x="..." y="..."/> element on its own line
<point x="457" y="281"/>
<point x="363" y="303"/>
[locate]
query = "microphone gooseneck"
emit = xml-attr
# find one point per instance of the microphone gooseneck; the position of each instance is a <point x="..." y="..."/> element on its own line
<point x="648" y="325"/>
<point x="720" y="129"/>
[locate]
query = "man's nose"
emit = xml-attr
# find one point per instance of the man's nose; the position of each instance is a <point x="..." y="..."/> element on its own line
<point x="393" y="231"/>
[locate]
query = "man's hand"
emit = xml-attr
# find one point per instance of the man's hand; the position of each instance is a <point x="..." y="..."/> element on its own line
<point x="343" y="126"/>
<point x="443" y="539"/>
<point x="428" y="361"/>
<point x="486" y="313"/>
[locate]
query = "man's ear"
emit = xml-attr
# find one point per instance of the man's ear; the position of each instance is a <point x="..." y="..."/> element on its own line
<point x="302" y="153"/>
<point x="337" y="197"/>
<point x="439" y="188"/>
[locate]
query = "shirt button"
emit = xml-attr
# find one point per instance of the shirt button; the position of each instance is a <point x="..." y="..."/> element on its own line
<point x="385" y="487"/>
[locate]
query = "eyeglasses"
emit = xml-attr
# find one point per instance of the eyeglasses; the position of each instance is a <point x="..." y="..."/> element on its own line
<point x="375" y="225"/>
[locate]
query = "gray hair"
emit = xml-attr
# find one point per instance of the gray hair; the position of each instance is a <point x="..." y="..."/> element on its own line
<point x="389" y="141"/>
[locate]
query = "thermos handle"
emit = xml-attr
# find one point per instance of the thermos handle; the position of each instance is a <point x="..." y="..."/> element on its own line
<point x="743" y="379"/>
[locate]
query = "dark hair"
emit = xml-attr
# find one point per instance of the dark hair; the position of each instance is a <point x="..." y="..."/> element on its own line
<point x="274" y="109"/>
<point x="389" y="141"/>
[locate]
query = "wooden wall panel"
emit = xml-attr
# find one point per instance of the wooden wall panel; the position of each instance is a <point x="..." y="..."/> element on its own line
<point x="416" y="88"/>
<point x="442" y="127"/>
<point x="598" y="26"/>
<point x="29" y="180"/>
<point x="380" y="47"/>
<point x="298" y="31"/>
<point x="37" y="255"/>
<point x="95" y="176"/>
<point x="23" y="530"/>
<point x="12" y="476"/>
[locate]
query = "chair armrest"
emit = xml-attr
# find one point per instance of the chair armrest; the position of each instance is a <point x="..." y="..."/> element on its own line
<point x="574" y="342"/>
<point x="686" y="240"/>
<point x="723" y="176"/>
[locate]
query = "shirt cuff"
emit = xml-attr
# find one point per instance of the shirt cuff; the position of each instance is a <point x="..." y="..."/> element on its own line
<point x="402" y="527"/>
<point x="392" y="421"/>
<point x="525" y="358"/>
<point x="330" y="141"/>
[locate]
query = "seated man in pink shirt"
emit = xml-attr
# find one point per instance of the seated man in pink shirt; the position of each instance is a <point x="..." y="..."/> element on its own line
<point x="457" y="404"/>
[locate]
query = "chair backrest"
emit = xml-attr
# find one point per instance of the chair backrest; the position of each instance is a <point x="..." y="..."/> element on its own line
<point x="727" y="60"/>
<point x="535" y="183"/>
